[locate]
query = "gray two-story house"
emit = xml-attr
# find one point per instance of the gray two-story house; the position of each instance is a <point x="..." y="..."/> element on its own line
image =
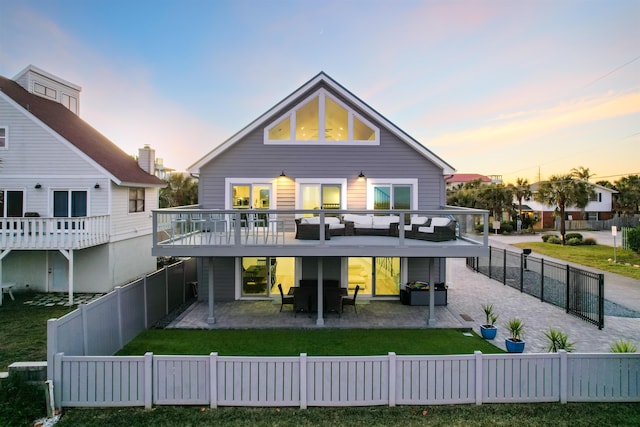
<point x="320" y="190"/>
<point x="75" y="210"/>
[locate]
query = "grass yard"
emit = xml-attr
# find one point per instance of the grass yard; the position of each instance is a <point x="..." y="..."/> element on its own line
<point x="595" y="256"/>
<point x="23" y="329"/>
<point x="314" y="342"/>
<point x="521" y="415"/>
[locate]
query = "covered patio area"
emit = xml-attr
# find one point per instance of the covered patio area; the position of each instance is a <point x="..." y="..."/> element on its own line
<point x="266" y="314"/>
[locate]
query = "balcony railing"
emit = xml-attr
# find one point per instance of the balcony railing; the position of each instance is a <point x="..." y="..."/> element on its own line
<point x="54" y="233"/>
<point x="252" y="229"/>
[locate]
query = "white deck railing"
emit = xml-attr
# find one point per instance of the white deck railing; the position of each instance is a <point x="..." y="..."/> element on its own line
<point x="54" y="233"/>
<point x="302" y="381"/>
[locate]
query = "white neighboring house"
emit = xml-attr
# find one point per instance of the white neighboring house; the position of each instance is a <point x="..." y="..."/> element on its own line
<point x="600" y="207"/>
<point x="75" y="210"/>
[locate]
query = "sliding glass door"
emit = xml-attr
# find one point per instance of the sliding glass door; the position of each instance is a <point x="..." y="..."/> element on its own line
<point x="321" y="196"/>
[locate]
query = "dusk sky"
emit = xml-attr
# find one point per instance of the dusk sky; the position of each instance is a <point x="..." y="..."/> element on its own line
<point x="493" y="87"/>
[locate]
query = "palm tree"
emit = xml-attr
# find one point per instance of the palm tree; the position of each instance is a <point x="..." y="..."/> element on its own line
<point x="181" y="190"/>
<point x="521" y="190"/>
<point x="561" y="191"/>
<point x="586" y="190"/>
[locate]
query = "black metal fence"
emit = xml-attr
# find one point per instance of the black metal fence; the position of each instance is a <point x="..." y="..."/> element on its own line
<point x="578" y="291"/>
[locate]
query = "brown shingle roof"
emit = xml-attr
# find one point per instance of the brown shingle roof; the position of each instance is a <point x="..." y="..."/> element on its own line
<point x="79" y="133"/>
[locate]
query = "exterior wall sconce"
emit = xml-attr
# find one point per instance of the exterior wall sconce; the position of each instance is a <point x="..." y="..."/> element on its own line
<point x="96" y="186"/>
<point x="361" y="176"/>
<point x="38" y="186"/>
<point x="283" y="175"/>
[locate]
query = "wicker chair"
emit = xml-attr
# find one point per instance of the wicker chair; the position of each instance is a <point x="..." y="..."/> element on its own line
<point x="351" y="301"/>
<point x="284" y="299"/>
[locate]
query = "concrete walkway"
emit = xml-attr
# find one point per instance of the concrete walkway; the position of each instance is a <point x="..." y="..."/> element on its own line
<point x="469" y="290"/>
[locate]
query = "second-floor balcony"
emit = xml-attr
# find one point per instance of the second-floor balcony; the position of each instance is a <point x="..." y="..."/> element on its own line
<point x="32" y="233"/>
<point x="447" y="232"/>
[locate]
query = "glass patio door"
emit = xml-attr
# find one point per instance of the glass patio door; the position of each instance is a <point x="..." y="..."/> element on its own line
<point x="321" y="196"/>
<point x="252" y="196"/>
<point x="392" y="196"/>
<point x="377" y="276"/>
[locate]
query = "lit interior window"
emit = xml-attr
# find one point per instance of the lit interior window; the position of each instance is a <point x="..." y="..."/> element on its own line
<point x="307" y="121"/>
<point x="281" y="131"/>
<point x="336" y="121"/>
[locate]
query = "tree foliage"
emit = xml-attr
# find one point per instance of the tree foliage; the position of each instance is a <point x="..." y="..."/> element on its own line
<point x="628" y="197"/>
<point x="181" y="190"/>
<point x="521" y="190"/>
<point x="564" y="191"/>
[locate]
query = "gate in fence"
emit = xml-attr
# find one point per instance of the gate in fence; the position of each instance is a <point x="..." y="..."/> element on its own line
<point x="579" y="292"/>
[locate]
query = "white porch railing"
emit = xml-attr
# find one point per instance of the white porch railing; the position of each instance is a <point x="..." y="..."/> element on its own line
<point x="54" y="233"/>
<point x="102" y="381"/>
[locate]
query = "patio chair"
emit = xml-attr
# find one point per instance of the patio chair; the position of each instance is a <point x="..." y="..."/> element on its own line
<point x="284" y="300"/>
<point x="302" y="300"/>
<point x="332" y="300"/>
<point x="351" y="301"/>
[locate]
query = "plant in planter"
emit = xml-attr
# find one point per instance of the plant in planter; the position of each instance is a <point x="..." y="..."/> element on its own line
<point x="489" y="330"/>
<point x="515" y="343"/>
<point x="623" y="346"/>
<point x="558" y="341"/>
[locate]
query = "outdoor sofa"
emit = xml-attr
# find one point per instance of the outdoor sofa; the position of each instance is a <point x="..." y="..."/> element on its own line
<point x="308" y="228"/>
<point x="372" y="225"/>
<point x="436" y="229"/>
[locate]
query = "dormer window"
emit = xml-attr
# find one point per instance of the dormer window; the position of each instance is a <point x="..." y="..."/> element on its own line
<point x="322" y="119"/>
<point x="44" y="90"/>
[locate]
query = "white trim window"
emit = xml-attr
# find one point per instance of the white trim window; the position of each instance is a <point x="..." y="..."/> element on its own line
<point x="4" y="137"/>
<point x="322" y="119"/>
<point x="321" y="193"/>
<point x="389" y="194"/>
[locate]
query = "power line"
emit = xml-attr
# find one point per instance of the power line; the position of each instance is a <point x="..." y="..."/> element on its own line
<point x="611" y="72"/>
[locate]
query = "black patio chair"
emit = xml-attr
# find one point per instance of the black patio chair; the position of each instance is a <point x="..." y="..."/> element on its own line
<point x="284" y="299"/>
<point x="351" y="301"/>
<point x="302" y="300"/>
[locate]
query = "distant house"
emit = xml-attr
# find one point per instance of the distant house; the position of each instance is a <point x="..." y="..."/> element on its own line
<point x="320" y="192"/>
<point x="600" y="207"/>
<point x="457" y="180"/>
<point x="75" y="210"/>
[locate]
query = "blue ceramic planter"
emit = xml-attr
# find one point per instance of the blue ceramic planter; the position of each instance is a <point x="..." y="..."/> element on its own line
<point x="488" y="333"/>
<point x="514" y="346"/>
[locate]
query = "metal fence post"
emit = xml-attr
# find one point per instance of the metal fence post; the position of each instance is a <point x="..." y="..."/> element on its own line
<point x="568" y="279"/>
<point x="542" y="277"/>
<point x="522" y="261"/>
<point x="600" y="301"/>
<point x="504" y="267"/>
<point x="490" y="253"/>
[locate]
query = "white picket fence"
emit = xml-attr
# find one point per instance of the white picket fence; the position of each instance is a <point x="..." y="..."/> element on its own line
<point x="103" y="381"/>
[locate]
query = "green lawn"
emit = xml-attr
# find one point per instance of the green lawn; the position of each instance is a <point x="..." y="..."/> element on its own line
<point x="596" y="256"/>
<point x="314" y="342"/>
<point x="23" y="329"/>
<point x="521" y="415"/>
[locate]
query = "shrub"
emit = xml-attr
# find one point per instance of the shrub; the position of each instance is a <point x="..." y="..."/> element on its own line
<point x="558" y="341"/>
<point x="574" y="241"/>
<point x="506" y="227"/>
<point x="479" y="228"/>
<point x="570" y="236"/>
<point x="556" y="240"/>
<point x="623" y="346"/>
<point x="546" y="237"/>
<point x="633" y="239"/>
<point x="21" y="402"/>
<point x="589" y="241"/>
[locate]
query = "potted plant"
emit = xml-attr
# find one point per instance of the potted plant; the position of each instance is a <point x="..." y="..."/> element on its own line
<point x="489" y="330"/>
<point x="514" y="343"/>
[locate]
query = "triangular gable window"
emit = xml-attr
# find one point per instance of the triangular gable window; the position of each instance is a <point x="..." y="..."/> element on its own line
<point x="322" y="119"/>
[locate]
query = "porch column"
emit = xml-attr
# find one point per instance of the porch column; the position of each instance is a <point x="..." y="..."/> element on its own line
<point x="69" y="256"/>
<point x="432" y="294"/>
<point x="211" y="320"/>
<point x="449" y="271"/>
<point x="320" y="320"/>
